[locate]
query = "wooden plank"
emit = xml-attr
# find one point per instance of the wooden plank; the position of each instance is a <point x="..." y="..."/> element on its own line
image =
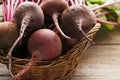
<point x="99" y="63"/>
<point x="4" y="70"/>
<point x="4" y="74"/>
<point x="5" y="78"/>
<point x="108" y="37"/>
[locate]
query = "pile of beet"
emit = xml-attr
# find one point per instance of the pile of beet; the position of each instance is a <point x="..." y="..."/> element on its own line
<point x="44" y="29"/>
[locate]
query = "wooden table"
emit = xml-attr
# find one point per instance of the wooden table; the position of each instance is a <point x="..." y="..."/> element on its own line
<point x="100" y="62"/>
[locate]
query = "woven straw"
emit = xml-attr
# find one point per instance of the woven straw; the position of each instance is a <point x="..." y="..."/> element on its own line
<point x="61" y="68"/>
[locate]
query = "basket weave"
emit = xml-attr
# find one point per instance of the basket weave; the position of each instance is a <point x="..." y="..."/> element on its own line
<point x="61" y="68"/>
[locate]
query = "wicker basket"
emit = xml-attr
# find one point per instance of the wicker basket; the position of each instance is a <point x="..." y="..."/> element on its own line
<point x="61" y="68"/>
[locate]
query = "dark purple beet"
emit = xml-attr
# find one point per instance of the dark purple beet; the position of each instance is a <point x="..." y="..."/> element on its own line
<point x="77" y="20"/>
<point x="68" y="44"/>
<point x="27" y="15"/>
<point x="43" y="44"/>
<point x="54" y="8"/>
<point x="8" y="34"/>
<point x="33" y="11"/>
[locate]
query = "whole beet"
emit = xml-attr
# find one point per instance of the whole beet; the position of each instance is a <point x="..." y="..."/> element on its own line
<point x="33" y="11"/>
<point x="44" y="44"/>
<point x="77" y="20"/>
<point x="53" y="9"/>
<point x="28" y="15"/>
<point x="8" y="34"/>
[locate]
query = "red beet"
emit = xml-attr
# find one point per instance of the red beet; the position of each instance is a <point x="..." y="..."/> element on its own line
<point x="77" y="20"/>
<point x="27" y="15"/>
<point x="8" y="34"/>
<point x="54" y="8"/>
<point x="44" y="44"/>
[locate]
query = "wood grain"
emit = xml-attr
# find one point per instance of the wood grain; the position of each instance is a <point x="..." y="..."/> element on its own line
<point x="108" y="37"/>
<point x="99" y="63"/>
<point x="4" y="74"/>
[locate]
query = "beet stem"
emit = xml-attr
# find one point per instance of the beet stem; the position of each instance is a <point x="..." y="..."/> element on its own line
<point x="107" y="22"/>
<point x="8" y="8"/>
<point x="24" y="25"/>
<point x="16" y="3"/>
<point x="12" y="10"/>
<point x="55" y="20"/>
<point x="80" y="2"/>
<point x="4" y="9"/>
<point x="105" y="5"/>
<point x="21" y="1"/>
<point x="76" y="2"/>
<point x="102" y="13"/>
<point x="72" y="3"/>
<point x="84" y="2"/>
<point x="39" y="1"/>
<point x="26" y="68"/>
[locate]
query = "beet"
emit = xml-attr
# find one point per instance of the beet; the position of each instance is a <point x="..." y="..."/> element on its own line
<point x="68" y="44"/>
<point x="27" y="15"/>
<point x="53" y="9"/>
<point x="77" y="20"/>
<point x="43" y="44"/>
<point x="8" y="34"/>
